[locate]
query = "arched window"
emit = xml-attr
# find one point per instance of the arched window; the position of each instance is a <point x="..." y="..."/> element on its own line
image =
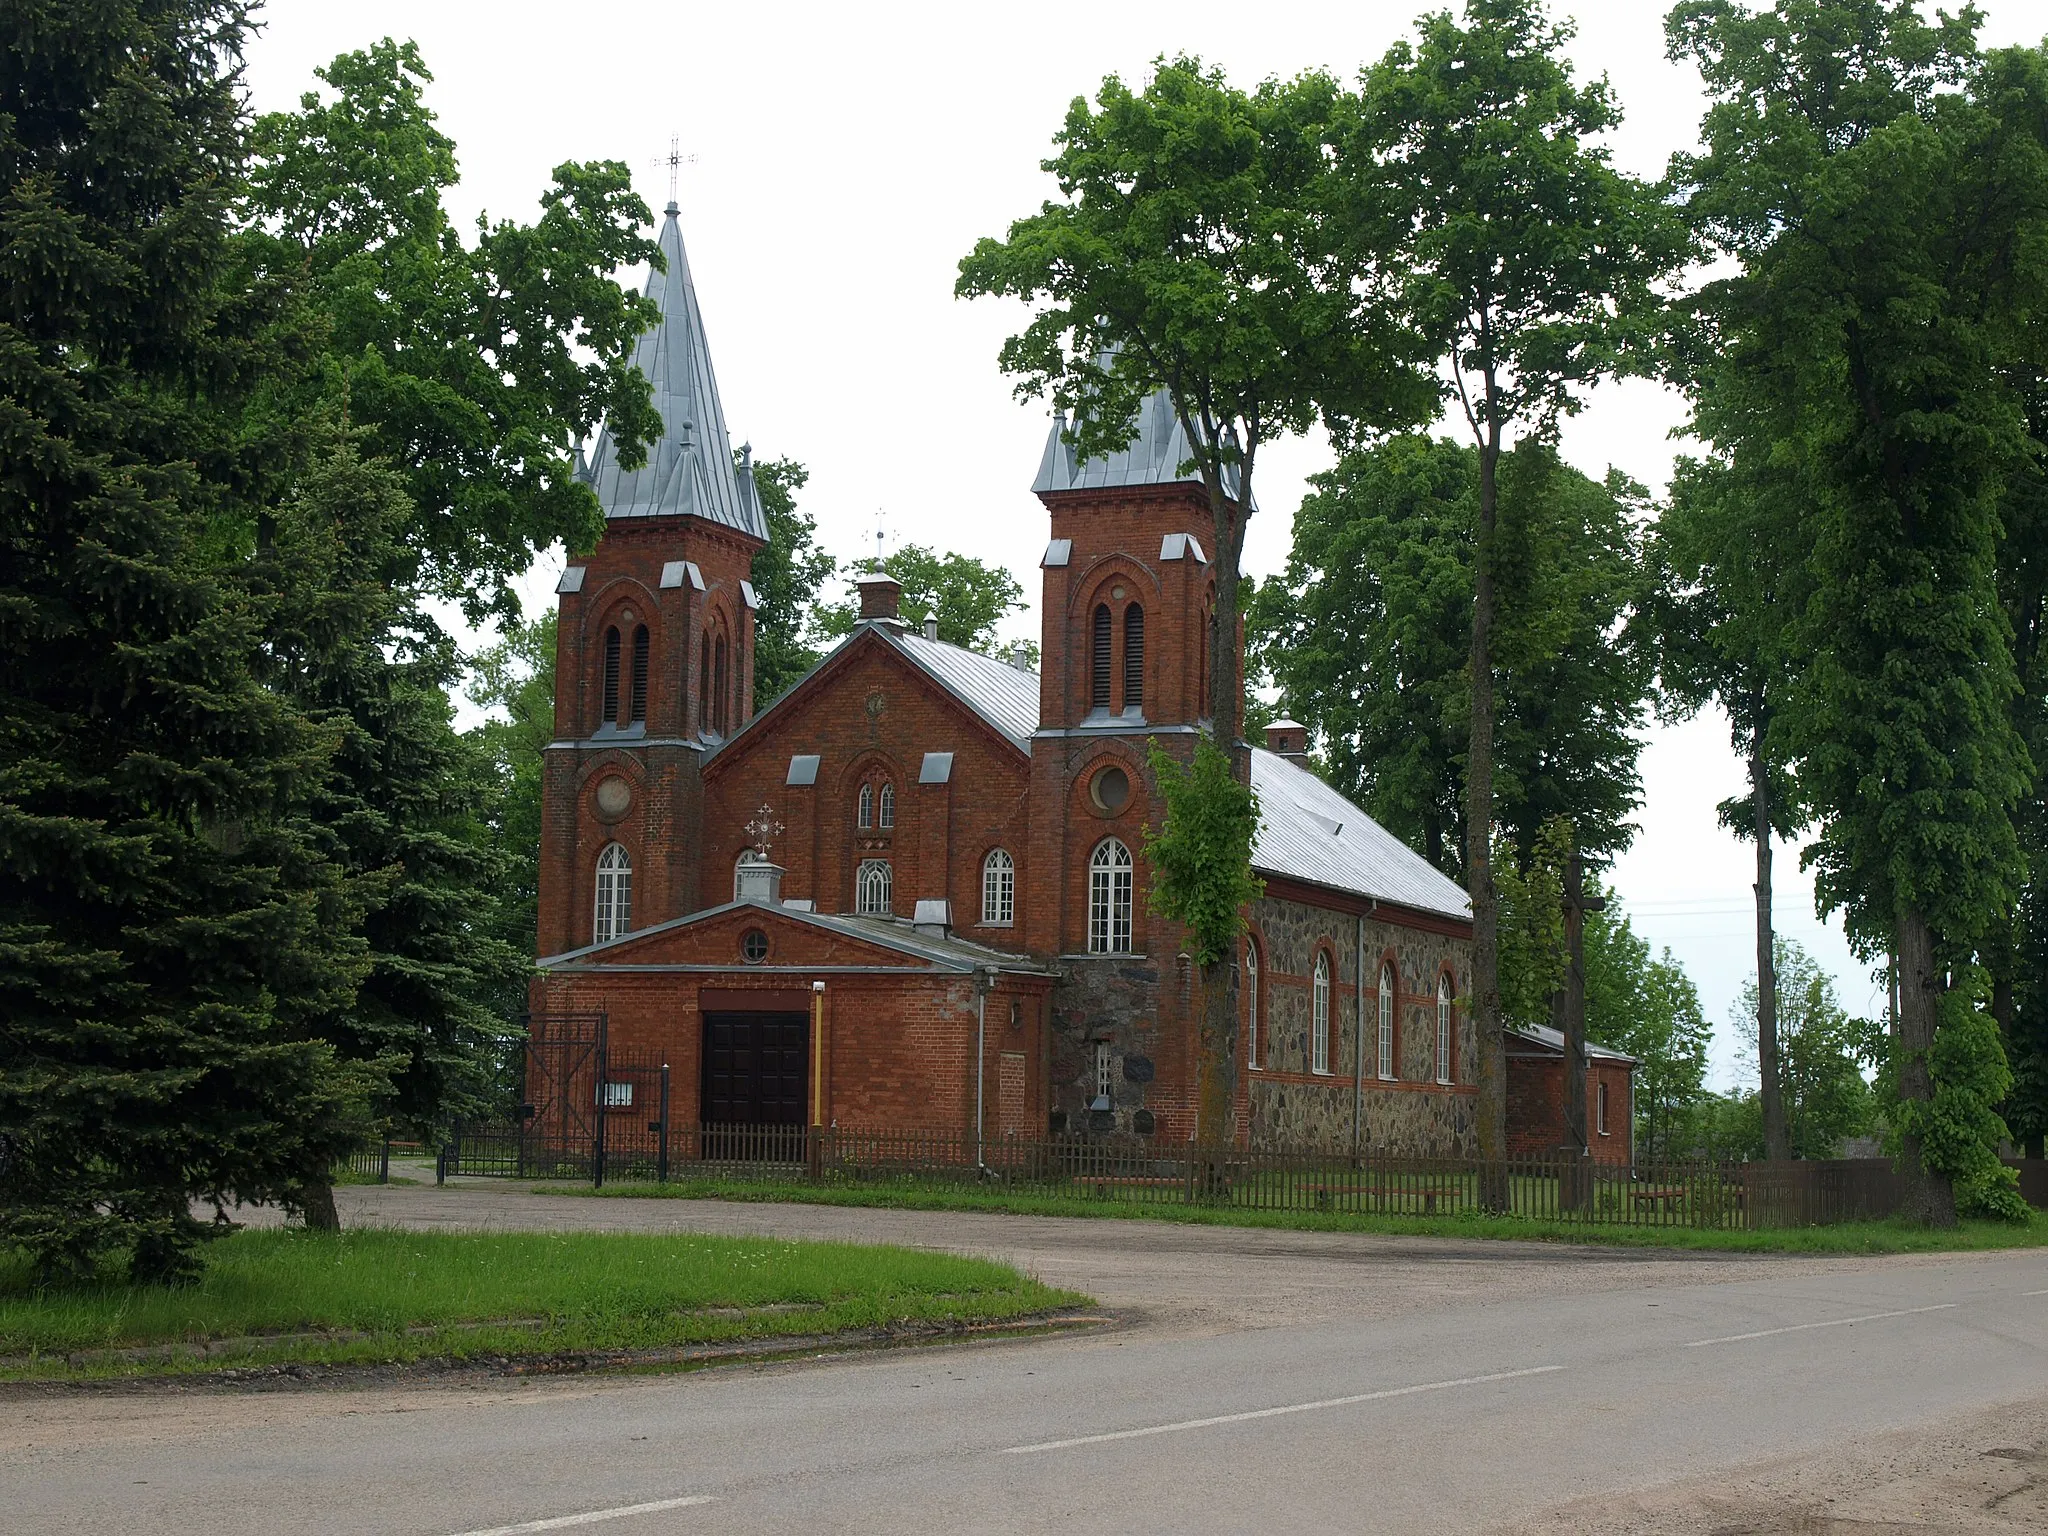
<point x="638" y="709"/>
<point x="1202" y="689"/>
<point x="1387" y="1023"/>
<point x="1098" y="678"/>
<point x="1251" y="1006"/>
<point x="871" y="889"/>
<point x="704" y="715"/>
<point x="1109" y="899"/>
<point x="1319" y="1016"/>
<point x="1134" y="657"/>
<point x="739" y="680"/>
<point x="886" y="814"/>
<point x="718" y="690"/>
<point x="614" y="894"/>
<point x="998" y="889"/>
<point x="866" y="817"/>
<point x="1443" y="1029"/>
<point x="611" y="675"/>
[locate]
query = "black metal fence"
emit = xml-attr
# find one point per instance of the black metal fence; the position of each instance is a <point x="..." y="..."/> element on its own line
<point x="627" y="1145"/>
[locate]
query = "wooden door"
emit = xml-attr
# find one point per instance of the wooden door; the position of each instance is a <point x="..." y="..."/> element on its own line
<point x="757" y="1068"/>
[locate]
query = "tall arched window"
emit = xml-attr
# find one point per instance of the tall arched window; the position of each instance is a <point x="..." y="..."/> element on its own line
<point x="872" y="888"/>
<point x="1134" y="657"/>
<point x="638" y="705"/>
<point x="1109" y="899"/>
<point x="1251" y="1006"/>
<point x="704" y="714"/>
<point x="614" y="894"/>
<point x="998" y="889"/>
<point x="866" y="817"/>
<point x="718" y="691"/>
<point x="1099" y="658"/>
<point x="1319" y="1016"/>
<point x="1443" y="1029"/>
<point x="1202" y="689"/>
<point x="886" y="806"/>
<point x="1387" y="1023"/>
<point x="611" y="675"/>
<point x="739" y="680"/>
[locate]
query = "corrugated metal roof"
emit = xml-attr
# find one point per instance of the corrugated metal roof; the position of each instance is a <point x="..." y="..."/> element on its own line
<point x="1310" y="832"/>
<point x="1553" y="1039"/>
<point x="1003" y="695"/>
<point x="689" y="470"/>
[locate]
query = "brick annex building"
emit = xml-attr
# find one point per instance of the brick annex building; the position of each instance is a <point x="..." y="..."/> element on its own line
<point x="951" y="922"/>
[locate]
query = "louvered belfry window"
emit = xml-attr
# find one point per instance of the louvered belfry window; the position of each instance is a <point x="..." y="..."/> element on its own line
<point x="611" y="674"/>
<point x="640" y="644"/>
<point x="1134" y="657"/>
<point x="1098" y="693"/>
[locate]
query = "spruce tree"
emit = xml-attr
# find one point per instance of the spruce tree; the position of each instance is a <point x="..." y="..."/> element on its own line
<point x="168" y="929"/>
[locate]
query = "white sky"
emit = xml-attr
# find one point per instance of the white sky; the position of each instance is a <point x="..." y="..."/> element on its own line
<point x="848" y="156"/>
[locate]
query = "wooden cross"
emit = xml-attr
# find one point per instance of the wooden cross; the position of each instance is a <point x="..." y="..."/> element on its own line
<point x="764" y="828"/>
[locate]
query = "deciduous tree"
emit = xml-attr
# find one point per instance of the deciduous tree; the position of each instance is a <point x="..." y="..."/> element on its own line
<point x="968" y="597"/>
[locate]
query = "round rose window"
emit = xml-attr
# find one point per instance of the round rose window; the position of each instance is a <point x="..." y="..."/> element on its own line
<point x="1111" y="790"/>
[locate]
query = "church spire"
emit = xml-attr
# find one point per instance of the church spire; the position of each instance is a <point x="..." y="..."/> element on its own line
<point x="689" y="470"/>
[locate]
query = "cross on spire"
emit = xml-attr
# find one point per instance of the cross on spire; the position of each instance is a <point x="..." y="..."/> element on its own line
<point x="675" y="160"/>
<point x="763" y="829"/>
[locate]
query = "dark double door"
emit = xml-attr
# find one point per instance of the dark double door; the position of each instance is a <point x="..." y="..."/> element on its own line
<point x="757" y="1069"/>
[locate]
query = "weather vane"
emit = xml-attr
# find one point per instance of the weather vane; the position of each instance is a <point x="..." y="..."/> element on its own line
<point x="764" y="829"/>
<point x="675" y="160"/>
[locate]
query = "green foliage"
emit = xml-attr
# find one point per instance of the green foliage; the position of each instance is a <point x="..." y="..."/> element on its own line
<point x="1531" y="892"/>
<point x="967" y="596"/>
<point x="1822" y="1053"/>
<point x="516" y="676"/>
<point x="172" y="931"/>
<point x="477" y="368"/>
<point x="1648" y="1007"/>
<point x="1201" y="854"/>
<point x="1959" y="1131"/>
<point x="788" y="576"/>
<point x="1368" y="634"/>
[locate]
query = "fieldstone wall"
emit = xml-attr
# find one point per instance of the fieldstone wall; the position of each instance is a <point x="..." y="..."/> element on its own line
<point x="1122" y="1001"/>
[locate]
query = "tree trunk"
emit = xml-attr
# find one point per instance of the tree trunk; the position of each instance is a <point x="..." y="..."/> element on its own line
<point x="1570" y="1017"/>
<point x="317" y="1202"/>
<point x="1491" y="1110"/>
<point x="1777" y="1137"/>
<point x="1929" y="1195"/>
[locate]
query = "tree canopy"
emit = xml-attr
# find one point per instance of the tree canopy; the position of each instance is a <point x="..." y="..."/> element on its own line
<point x="968" y="597"/>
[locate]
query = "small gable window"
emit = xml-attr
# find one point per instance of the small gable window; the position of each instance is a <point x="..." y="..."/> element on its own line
<point x="872" y="889"/>
<point x="718" y="689"/>
<point x="611" y="675"/>
<point x="866" y="816"/>
<point x="704" y="685"/>
<point x="1109" y="899"/>
<point x="998" y="889"/>
<point x="614" y="894"/>
<point x="886" y="812"/>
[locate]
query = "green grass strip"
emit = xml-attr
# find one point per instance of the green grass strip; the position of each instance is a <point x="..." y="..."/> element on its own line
<point x="389" y="1296"/>
<point x="1842" y="1237"/>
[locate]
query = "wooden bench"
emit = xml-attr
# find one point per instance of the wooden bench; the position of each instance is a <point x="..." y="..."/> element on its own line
<point x="1666" y="1196"/>
<point x="1383" y="1192"/>
<point x="1107" y="1182"/>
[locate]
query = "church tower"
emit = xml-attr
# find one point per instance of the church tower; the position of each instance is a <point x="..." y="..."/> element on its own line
<point x="1127" y="592"/>
<point x="654" y="649"/>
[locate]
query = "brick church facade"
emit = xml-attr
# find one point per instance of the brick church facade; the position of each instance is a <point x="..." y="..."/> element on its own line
<point x="949" y="930"/>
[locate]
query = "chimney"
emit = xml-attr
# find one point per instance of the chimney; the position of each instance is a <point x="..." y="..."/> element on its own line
<point x="933" y="919"/>
<point x="758" y="880"/>
<point x="931" y="629"/>
<point x="1288" y="739"/>
<point x="879" y="597"/>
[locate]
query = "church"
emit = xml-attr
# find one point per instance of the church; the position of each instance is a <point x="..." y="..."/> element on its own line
<point x="911" y="892"/>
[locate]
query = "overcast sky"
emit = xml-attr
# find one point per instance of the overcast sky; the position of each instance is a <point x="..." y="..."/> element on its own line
<point x="847" y="156"/>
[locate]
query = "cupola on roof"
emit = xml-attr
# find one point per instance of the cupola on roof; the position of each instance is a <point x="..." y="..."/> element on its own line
<point x="689" y="470"/>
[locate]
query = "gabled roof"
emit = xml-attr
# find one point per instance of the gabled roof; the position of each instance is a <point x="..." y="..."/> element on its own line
<point x="1552" y="1040"/>
<point x="1154" y="456"/>
<point x="926" y="951"/>
<point x="1311" y="833"/>
<point x="689" y="470"/>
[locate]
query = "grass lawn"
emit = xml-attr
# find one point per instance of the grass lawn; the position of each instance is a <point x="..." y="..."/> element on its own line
<point x="1845" y="1237"/>
<point x="383" y="1296"/>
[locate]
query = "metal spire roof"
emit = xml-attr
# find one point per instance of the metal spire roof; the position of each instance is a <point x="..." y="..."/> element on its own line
<point x="689" y="470"/>
<point x="1154" y="456"/>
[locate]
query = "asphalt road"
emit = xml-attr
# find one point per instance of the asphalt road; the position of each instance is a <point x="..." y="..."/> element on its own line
<point x="1492" y="1402"/>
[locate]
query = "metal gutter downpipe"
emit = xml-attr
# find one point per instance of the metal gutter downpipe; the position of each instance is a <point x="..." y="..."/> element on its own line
<point x="983" y="981"/>
<point x="1358" y="1045"/>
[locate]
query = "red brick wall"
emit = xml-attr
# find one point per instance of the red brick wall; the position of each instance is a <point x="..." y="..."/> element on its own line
<point x="1536" y="1107"/>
